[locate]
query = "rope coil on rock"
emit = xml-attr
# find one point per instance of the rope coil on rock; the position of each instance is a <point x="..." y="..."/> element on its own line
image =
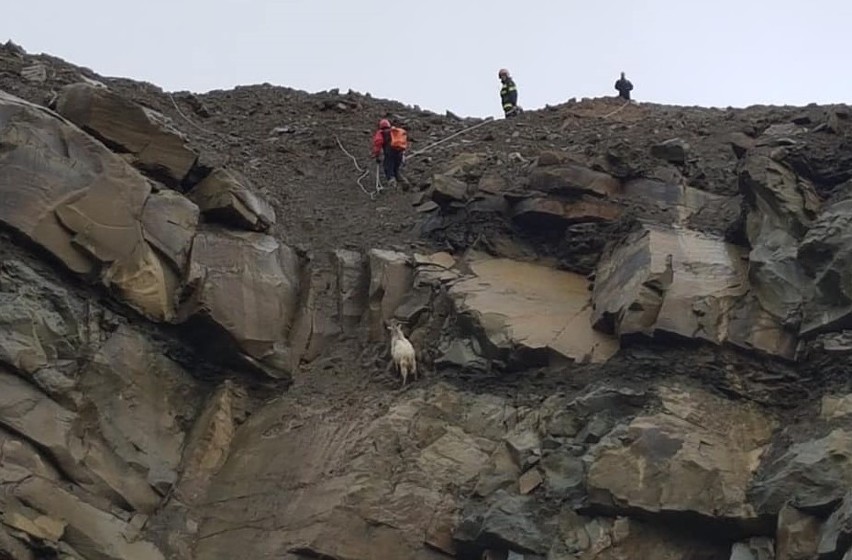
<point x="363" y="172"/>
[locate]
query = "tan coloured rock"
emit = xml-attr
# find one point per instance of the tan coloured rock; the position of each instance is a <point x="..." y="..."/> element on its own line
<point x="493" y="183"/>
<point x="145" y="283"/>
<point x="96" y="534"/>
<point x="466" y="165"/>
<point x="156" y="146"/>
<point x="22" y="518"/>
<point x="529" y="481"/>
<point x="551" y="213"/>
<point x="141" y="398"/>
<point x="86" y="210"/>
<point x="226" y="196"/>
<point x="573" y="180"/>
<point x="85" y="459"/>
<point x="169" y="221"/>
<point x="447" y="189"/>
<point x="208" y="445"/>
<point x="797" y="535"/>
<point x="697" y="455"/>
<point x="22" y="460"/>
<point x="434" y="268"/>
<point x="246" y="285"/>
<point x="391" y="277"/>
<point x="681" y="282"/>
<point x="532" y="306"/>
<point x="835" y="406"/>
<point x="317" y="480"/>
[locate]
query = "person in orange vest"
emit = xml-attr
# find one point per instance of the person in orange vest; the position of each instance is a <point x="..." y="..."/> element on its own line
<point x="389" y="145"/>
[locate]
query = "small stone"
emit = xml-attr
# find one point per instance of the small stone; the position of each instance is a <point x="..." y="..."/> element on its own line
<point x="529" y="481"/>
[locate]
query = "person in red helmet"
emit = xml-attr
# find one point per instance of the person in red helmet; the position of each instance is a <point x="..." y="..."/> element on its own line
<point x="389" y="145"/>
<point x="508" y="94"/>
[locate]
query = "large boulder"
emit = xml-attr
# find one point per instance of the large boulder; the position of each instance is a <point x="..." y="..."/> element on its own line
<point x="825" y="462"/>
<point x="318" y="479"/>
<point x="70" y="195"/>
<point x="674" y="150"/>
<point x="572" y="180"/>
<point x="391" y="277"/>
<point x="507" y="522"/>
<point x="245" y="289"/>
<point x="670" y="202"/>
<point x="446" y="189"/>
<point x="208" y="444"/>
<point x="530" y="306"/>
<point x="95" y="533"/>
<point x="169" y="221"/>
<point x="353" y="283"/>
<point x="780" y="208"/>
<point x="155" y="146"/>
<point x="797" y="535"/>
<point x="696" y="457"/>
<point x="826" y="256"/>
<point x="141" y="400"/>
<point x="679" y="282"/>
<point x="84" y="458"/>
<point x="554" y="214"/>
<point x="41" y="330"/>
<point x="227" y="197"/>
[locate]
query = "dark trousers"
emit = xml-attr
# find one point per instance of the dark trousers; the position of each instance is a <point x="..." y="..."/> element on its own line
<point x="392" y="163"/>
<point x="624" y="95"/>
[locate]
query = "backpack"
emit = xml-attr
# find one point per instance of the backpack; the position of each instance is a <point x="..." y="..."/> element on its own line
<point x="398" y="139"/>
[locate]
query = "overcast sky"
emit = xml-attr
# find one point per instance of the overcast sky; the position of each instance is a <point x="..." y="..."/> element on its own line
<point x="445" y="54"/>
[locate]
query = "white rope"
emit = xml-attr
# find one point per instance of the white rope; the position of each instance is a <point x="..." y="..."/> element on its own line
<point x="608" y="115"/>
<point x="450" y="137"/>
<point x="201" y="128"/>
<point x="363" y="172"/>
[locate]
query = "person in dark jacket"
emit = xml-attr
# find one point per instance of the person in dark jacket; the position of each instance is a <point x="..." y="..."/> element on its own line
<point x="384" y="153"/>
<point x="508" y="94"/>
<point x="624" y="87"/>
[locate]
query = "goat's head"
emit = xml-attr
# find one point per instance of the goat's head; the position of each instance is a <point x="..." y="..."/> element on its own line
<point x="394" y="327"/>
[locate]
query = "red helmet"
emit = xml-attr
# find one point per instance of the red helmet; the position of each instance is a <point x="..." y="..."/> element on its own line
<point x="384" y="123"/>
<point x="502" y="72"/>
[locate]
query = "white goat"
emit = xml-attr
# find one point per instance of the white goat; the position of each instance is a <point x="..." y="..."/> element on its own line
<point x="402" y="352"/>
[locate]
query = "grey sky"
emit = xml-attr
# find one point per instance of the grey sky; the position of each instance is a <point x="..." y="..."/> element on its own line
<point x="443" y="54"/>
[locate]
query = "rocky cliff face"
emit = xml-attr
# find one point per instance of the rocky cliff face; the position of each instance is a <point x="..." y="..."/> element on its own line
<point x="631" y="329"/>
